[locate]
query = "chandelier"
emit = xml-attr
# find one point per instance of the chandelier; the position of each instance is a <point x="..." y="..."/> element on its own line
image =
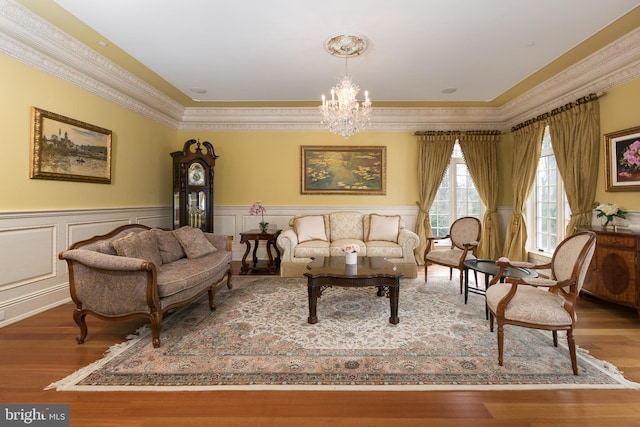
<point x="343" y="114"/>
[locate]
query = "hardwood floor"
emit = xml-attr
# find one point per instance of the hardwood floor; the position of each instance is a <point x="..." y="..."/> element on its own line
<point x="40" y="350"/>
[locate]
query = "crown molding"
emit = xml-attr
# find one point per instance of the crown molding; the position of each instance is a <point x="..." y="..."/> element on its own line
<point x="307" y="119"/>
<point x="613" y="65"/>
<point x="26" y="37"/>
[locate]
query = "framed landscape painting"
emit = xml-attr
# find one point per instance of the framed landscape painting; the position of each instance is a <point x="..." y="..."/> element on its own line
<point x="343" y="170"/>
<point x="622" y="160"/>
<point x="69" y="150"/>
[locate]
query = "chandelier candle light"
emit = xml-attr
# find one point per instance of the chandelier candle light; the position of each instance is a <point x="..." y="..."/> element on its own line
<point x="343" y="114"/>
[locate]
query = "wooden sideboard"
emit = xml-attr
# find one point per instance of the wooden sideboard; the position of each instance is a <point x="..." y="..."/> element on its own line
<point x="614" y="274"/>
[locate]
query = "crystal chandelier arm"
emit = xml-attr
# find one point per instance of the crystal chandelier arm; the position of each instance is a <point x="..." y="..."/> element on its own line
<point x="344" y="115"/>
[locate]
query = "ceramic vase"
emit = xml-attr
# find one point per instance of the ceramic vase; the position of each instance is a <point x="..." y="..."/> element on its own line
<point x="351" y="258"/>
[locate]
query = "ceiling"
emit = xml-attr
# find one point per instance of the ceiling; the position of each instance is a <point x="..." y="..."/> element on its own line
<point x="273" y="50"/>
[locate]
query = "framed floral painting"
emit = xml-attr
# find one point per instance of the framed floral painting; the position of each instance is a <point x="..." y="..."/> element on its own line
<point x="343" y="170"/>
<point x="622" y="160"/>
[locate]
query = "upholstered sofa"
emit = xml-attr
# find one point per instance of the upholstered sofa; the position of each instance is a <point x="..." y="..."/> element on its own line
<point x="326" y="235"/>
<point x="138" y="271"/>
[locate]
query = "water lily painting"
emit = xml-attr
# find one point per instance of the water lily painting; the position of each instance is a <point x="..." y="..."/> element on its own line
<point x="343" y="170"/>
<point x="622" y="160"/>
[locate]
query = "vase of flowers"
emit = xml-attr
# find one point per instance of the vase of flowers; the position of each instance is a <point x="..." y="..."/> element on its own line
<point x="258" y="209"/>
<point x="351" y="253"/>
<point x="608" y="212"/>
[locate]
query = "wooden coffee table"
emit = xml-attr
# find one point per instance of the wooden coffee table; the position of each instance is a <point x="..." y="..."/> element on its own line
<point x="325" y="272"/>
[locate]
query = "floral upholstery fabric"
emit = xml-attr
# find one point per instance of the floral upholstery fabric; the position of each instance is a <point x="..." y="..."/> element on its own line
<point x="169" y="247"/>
<point x="142" y="245"/>
<point x="342" y="228"/>
<point x="115" y="286"/>
<point x="448" y="256"/>
<point x="312" y="248"/>
<point x="530" y="305"/>
<point x="384" y="248"/>
<point x="194" y="242"/>
<point x="186" y="273"/>
<point x="337" y="245"/>
<point x="465" y="231"/>
<point x="346" y="225"/>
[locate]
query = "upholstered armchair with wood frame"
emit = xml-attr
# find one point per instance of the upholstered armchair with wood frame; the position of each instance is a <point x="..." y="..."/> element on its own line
<point x="464" y="234"/>
<point x="543" y="303"/>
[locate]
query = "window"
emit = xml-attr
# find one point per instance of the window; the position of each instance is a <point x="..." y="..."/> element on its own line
<point x="547" y="208"/>
<point x="457" y="196"/>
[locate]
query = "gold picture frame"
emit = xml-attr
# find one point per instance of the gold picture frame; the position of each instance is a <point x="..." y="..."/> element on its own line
<point x="343" y="170"/>
<point x="622" y="160"/>
<point x="66" y="149"/>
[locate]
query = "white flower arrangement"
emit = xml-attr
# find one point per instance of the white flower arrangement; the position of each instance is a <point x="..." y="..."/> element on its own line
<point x="610" y="210"/>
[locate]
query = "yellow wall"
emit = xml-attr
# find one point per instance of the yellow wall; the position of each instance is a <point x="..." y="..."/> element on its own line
<point x="141" y="165"/>
<point x="266" y="166"/>
<point x="252" y="165"/>
<point x="618" y="111"/>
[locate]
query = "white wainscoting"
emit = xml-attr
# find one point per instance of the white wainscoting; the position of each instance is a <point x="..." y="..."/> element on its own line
<point x="33" y="279"/>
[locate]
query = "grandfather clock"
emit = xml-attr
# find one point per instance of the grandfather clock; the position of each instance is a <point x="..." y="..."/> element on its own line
<point x="193" y="185"/>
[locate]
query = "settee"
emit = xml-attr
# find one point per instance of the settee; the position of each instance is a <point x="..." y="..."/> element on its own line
<point x="138" y="271"/>
<point x="326" y="234"/>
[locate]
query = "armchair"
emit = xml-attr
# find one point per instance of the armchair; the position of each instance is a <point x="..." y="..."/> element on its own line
<point x="548" y="304"/>
<point x="465" y="235"/>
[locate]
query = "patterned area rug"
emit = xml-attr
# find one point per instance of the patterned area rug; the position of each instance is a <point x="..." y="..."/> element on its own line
<point x="259" y="338"/>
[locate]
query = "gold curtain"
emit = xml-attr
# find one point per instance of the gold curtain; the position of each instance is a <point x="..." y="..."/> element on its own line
<point x="434" y="155"/>
<point x="527" y="145"/>
<point x="575" y="138"/>
<point x="480" y="155"/>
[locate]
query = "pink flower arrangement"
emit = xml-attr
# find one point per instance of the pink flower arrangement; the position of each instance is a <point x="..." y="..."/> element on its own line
<point x="631" y="156"/>
<point x="351" y="247"/>
<point x="258" y="209"/>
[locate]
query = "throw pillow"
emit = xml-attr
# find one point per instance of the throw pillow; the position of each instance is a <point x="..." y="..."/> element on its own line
<point x="169" y="247"/>
<point x="384" y="227"/>
<point x="141" y="245"/>
<point x="194" y="242"/>
<point x="310" y="228"/>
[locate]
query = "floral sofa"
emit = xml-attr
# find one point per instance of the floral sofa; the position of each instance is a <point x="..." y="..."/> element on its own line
<point x="138" y="271"/>
<point x="327" y="234"/>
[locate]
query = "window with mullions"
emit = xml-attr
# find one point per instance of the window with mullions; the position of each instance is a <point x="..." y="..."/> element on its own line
<point x="547" y="208"/>
<point x="456" y="197"/>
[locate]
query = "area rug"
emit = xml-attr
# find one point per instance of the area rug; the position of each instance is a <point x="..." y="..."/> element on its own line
<point x="259" y="338"/>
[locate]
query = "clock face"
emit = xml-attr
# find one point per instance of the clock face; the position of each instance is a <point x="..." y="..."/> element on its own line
<point x="196" y="174"/>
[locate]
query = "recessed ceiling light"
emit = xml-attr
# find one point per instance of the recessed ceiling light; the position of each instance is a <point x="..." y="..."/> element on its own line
<point x="449" y="89"/>
<point x="198" y="90"/>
